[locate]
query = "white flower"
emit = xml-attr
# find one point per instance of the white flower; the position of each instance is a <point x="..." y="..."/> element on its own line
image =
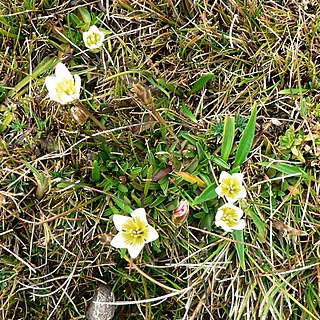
<point x="228" y="217"/>
<point x="231" y="186"/>
<point x="63" y="87"/>
<point x="134" y="232"/>
<point x="93" y="38"/>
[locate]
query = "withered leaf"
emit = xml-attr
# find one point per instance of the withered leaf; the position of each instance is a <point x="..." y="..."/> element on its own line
<point x="285" y="229"/>
<point x="162" y="173"/>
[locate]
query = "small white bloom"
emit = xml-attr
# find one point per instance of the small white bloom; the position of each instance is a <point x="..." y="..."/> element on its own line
<point x="134" y="232"/>
<point x="231" y="186"/>
<point x="228" y="217"/>
<point x="63" y="87"/>
<point x="93" y="38"/>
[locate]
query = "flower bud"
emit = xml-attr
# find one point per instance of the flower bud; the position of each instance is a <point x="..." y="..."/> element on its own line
<point x="181" y="213"/>
<point x="79" y="115"/>
<point x="143" y="93"/>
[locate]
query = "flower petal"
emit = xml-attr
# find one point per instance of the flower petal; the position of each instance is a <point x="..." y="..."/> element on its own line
<point x="94" y="29"/>
<point x="239" y="211"/>
<point x="223" y="225"/>
<point x="238" y="176"/>
<point x="231" y="200"/>
<point x="223" y="175"/>
<point x="242" y="193"/>
<point x="51" y="83"/>
<point x="218" y="190"/>
<point x="135" y="250"/>
<point x="140" y="213"/>
<point x="118" y="241"/>
<point x="77" y="82"/>
<point x="62" y="71"/>
<point x="240" y="226"/>
<point x="119" y="220"/>
<point x="153" y="234"/>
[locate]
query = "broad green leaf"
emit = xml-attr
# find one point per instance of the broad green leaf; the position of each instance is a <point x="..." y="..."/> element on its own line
<point x="227" y="138"/>
<point x="200" y="83"/>
<point x="220" y="162"/>
<point x="186" y="111"/>
<point x="191" y="178"/>
<point x="207" y="194"/>
<point x="285" y="168"/>
<point x="238" y="236"/>
<point x="246" y="140"/>
<point x="206" y="221"/>
<point x="122" y="205"/>
<point x="85" y="14"/>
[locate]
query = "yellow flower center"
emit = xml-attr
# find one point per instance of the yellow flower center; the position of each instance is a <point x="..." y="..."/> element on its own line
<point x="65" y="87"/>
<point x="230" y="216"/>
<point x="135" y="232"/>
<point x="93" y="38"/>
<point x="230" y="187"/>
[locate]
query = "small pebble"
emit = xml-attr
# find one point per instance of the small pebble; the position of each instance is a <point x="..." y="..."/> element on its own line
<point x="98" y="309"/>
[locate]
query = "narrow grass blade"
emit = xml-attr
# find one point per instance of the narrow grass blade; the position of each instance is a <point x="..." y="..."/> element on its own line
<point x="96" y="171"/>
<point x="292" y="91"/>
<point x="246" y="140"/>
<point x="262" y="231"/>
<point x="45" y="65"/>
<point x="228" y="137"/>
<point x="187" y="112"/>
<point x="238" y="236"/>
<point x="200" y="83"/>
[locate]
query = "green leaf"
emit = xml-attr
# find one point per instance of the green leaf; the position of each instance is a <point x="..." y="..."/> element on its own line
<point x="156" y="84"/>
<point x="207" y="194"/>
<point x="96" y="171"/>
<point x="285" y="168"/>
<point x="259" y="224"/>
<point x="206" y="221"/>
<point x="220" y="162"/>
<point x="292" y="91"/>
<point x="148" y="181"/>
<point x="45" y="65"/>
<point x="41" y="180"/>
<point x="169" y="86"/>
<point x="186" y="111"/>
<point x="238" y="236"/>
<point x="246" y="140"/>
<point x="227" y="138"/>
<point x="200" y="83"/>
<point x="2" y="93"/>
<point x="85" y="14"/>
